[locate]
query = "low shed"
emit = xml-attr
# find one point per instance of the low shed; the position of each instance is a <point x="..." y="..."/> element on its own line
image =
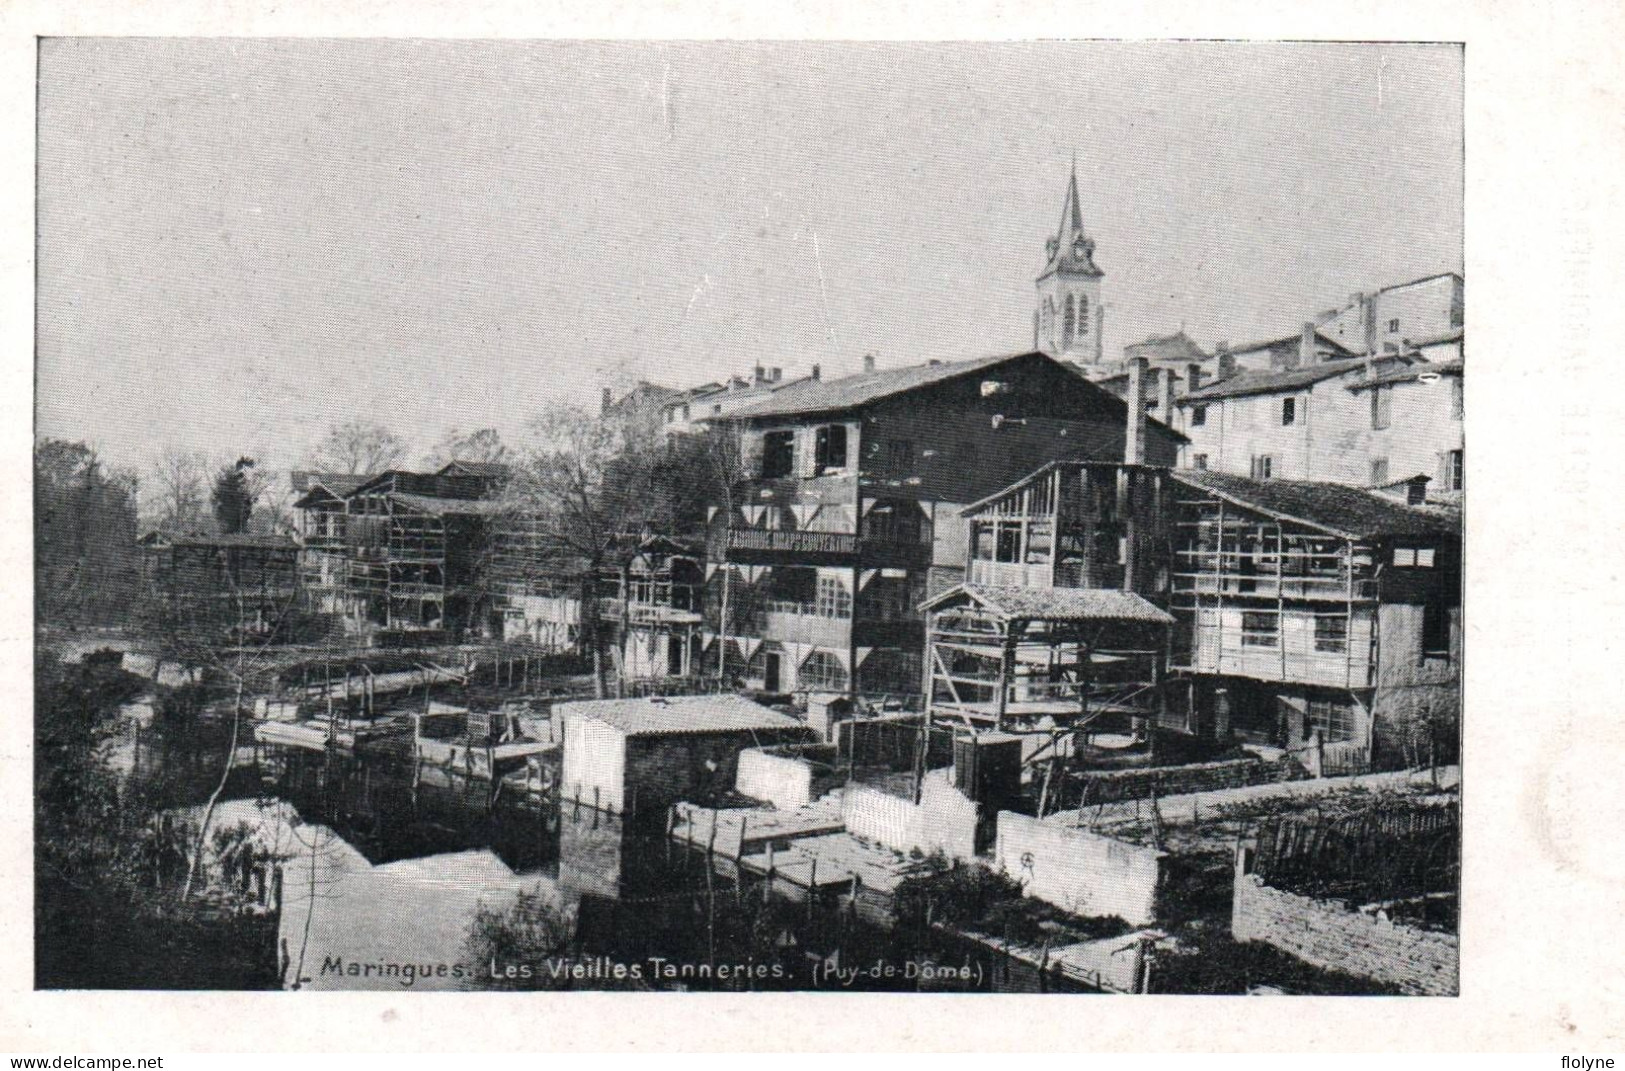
<point x="631" y="755"/>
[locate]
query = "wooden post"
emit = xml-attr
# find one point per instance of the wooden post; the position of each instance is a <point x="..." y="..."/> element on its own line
<point x="739" y="849"/>
<point x="812" y="887"/>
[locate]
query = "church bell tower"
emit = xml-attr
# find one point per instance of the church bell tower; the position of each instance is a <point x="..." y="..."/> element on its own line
<point x="1067" y="322"/>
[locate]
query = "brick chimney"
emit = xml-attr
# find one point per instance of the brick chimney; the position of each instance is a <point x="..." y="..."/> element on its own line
<point x="1165" y="395"/>
<point x="817" y="372"/>
<point x="608" y="400"/>
<point x="759" y="376"/>
<point x="1306" y="347"/>
<point x="1193" y="377"/>
<point x="1134" y="434"/>
<point x="868" y="362"/>
<point x="1227" y="360"/>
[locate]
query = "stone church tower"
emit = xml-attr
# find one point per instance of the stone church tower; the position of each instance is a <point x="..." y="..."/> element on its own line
<point x="1067" y="322"/>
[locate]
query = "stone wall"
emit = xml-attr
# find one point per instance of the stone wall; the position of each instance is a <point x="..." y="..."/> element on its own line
<point x="1079" y="871"/>
<point x="1115" y="785"/>
<point x="943" y="819"/>
<point x="1334" y="937"/>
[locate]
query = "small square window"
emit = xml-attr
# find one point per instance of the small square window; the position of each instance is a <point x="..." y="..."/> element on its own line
<point x="1198" y="415"/>
<point x="1262" y="466"/>
<point x="1289" y="411"/>
<point x="1199" y="462"/>
<point x="1424" y="558"/>
<point x="1393" y="327"/>
<point x="1405" y="556"/>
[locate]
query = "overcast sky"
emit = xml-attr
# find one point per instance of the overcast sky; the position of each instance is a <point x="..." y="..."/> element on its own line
<point x="243" y="242"/>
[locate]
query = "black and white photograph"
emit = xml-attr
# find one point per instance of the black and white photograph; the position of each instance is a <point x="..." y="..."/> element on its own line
<point x="747" y="517"/>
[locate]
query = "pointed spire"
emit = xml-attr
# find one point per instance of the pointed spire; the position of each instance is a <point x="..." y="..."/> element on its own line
<point x="1071" y="249"/>
<point x="1071" y="213"/>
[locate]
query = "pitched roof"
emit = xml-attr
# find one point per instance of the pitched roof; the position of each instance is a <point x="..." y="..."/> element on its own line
<point x="1410" y="373"/>
<point x="1294" y="340"/>
<point x="850" y="392"/>
<point x="337" y="483"/>
<point x="1178" y="347"/>
<point x="1248" y="382"/>
<point x="444" y="507"/>
<point x="681" y="714"/>
<point x="496" y="469"/>
<point x="1048" y="467"/>
<point x="1056" y="604"/>
<point x="1350" y="512"/>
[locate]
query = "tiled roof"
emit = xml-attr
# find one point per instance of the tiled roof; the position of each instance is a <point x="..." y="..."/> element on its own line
<point x="849" y="392"/>
<point x="1175" y="347"/>
<point x="1410" y="374"/>
<point x="1057" y="604"/>
<point x="1270" y="382"/>
<point x="1294" y="339"/>
<point x="1336" y="508"/>
<point x="681" y="714"/>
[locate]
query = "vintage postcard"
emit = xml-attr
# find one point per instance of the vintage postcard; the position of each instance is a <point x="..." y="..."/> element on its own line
<point x="753" y="518"/>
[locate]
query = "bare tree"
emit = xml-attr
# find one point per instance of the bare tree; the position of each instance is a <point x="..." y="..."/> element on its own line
<point x="483" y="445"/>
<point x="273" y="498"/>
<point x="179" y="487"/>
<point x="357" y="446"/>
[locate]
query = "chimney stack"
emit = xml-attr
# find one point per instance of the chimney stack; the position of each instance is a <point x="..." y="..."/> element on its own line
<point x="1134" y="434"/>
<point x="817" y="372"/>
<point x="1227" y="360"/>
<point x="1193" y="377"/>
<point x="1165" y="395"/>
<point x="775" y="374"/>
<point x="1306" y="346"/>
<point x="608" y="400"/>
<point x="868" y="362"/>
<point x="759" y="375"/>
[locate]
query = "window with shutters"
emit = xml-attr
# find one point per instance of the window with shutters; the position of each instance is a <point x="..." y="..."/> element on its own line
<point x="1263" y="465"/>
<point x="1198" y="415"/>
<point x="1199" y="462"/>
<point x="1381" y="407"/>
<point x="1379" y="471"/>
<point x="829" y="449"/>
<point x="1454" y="471"/>
<point x="778" y="454"/>
<point x="1289" y="411"/>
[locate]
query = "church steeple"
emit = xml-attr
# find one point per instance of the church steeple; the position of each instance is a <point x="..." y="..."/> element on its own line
<point x="1067" y="321"/>
<point x="1071" y="250"/>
